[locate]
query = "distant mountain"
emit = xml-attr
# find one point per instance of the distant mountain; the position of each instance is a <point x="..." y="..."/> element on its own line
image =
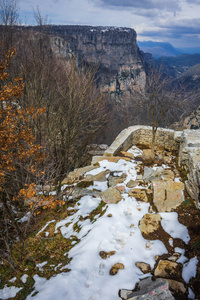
<point x="158" y="49"/>
<point x="191" y="50"/>
<point x="180" y="64"/>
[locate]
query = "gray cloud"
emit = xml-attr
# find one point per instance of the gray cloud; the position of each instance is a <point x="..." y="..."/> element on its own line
<point x="145" y="4"/>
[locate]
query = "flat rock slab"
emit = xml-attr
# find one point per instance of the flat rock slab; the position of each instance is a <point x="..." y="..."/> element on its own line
<point x="151" y="290"/>
<point x="98" y="177"/>
<point x="150" y="223"/>
<point x="77" y="174"/>
<point x="167" y="194"/>
<point x="138" y="194"/>
<point x="111" y="196"/>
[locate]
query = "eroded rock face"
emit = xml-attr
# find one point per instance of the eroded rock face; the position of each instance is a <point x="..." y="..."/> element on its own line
<point x="114" y="49"/>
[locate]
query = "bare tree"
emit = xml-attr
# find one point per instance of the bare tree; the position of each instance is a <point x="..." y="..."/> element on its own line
<point x="9" y="17"/>
<point x="161" y="101"/>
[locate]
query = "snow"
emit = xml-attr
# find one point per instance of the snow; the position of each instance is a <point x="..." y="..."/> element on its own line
<point x="190" y="269"/>
<point x="13" y="279"/>
<point x="24" y="278"/>
<point x="9" y="292"/>
<point x="25" y="218"/>
<point x="89" y="272"/>
<point x="52" y="221"/>
<point x="135" y="150"/>
<point x="98" y="185"/>
<point x="172" y="226"/>
<point x="191" y="295"/>
<point x="40" y="265"/>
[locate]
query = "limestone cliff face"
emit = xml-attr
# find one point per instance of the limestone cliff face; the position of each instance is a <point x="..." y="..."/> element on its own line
<point x="114" y="50"/>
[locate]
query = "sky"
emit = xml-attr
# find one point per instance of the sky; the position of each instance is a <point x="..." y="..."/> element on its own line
<point x="174" y="21"/>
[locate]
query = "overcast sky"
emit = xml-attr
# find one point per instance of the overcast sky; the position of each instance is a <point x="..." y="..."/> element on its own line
<point x="174" y="21"/>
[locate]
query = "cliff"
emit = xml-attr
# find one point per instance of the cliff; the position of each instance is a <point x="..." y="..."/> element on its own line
<point x="114" y="50"/>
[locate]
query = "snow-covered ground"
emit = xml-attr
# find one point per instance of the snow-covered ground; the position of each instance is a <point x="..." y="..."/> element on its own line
<point x="117" y="230"/>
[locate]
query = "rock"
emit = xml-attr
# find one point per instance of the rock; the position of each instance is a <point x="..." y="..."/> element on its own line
<point x="167" y="194"/>
<point x="177" y="286"/>
<point x="113" y="181"/>
<point x="95" y="149"/>
<point x="145" y="268"/>
<point x="115" y="159"/>
<point x="79" y="192"/>
<point x="150" y="174"/>
<point x="109" y="215"/>
<point x="132" y="184"/>
<point x="139" y="177"/>
<point x="150" y="290"/>
<point x="147" y="154"/>
<point x="126" y="154"/>
<point x="124" y="293"/>
<point x="174" y="257"/>
<point x="111" y="195"/>
<point x="98" y="177"/>
<point x="77" y="174"/>
<point x="121" y="189"/>
<point x="114" y="270"/>
<point x="150" y="223"/>
<point x="167" y="175"/>
<point x="84" y="183"/>
<point x="105" y="255"/>
<point x="168" y="269"/>
<point x="138" y="194"/>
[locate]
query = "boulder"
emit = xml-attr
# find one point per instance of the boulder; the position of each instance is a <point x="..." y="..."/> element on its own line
<point x="168" y="269"/>
<point x="150" y="223"/>
<point x="111" y="195"/>
<point x="167" y="195"/>
<point x="138" y="194"/>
